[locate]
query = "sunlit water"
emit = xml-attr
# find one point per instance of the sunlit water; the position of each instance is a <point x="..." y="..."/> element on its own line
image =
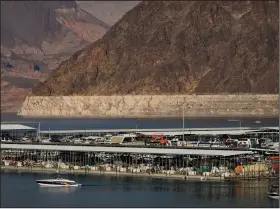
<point x="21" y="190"/>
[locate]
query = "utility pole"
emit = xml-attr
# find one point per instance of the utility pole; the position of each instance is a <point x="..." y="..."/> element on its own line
<point x="240" y="123"/>
<point x="259" y="126"/>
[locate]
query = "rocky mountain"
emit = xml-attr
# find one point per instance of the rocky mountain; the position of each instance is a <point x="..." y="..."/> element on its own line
<point x="180" y="47"/>
<point x="35" y="37"/>
<point x="107" y="11"/>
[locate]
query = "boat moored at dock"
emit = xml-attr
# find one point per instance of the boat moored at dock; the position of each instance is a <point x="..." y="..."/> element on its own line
<point x="274" y="192"/>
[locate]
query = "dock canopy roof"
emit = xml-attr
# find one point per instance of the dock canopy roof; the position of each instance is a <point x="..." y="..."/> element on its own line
<point x="161" y="151"/>
<point x="210" y="132"/>
<point x="11" y="127"/>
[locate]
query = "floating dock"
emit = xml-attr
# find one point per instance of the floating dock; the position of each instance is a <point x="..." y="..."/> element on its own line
<point x="180" y="162"/>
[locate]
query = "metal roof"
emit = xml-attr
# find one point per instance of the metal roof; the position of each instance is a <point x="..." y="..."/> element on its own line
<point x="6" y="127"/>
<point x="141" y="130"/>
<point x="270" y="127"/>
<point x="265" y="150"/>
<point x="229" y="132"/>
<point x="153" y="130"/>
<point x="166" y="151"/>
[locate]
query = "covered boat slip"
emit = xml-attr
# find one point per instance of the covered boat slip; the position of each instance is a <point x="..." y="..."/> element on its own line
<point x="162" y="162"/>
<point x="167" y="131"/>
<point x="9" y="127"/>
<point x="134" y="150"/>
<point x="17" y="130"/>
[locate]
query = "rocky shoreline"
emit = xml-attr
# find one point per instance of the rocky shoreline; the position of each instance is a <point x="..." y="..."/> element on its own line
<point x="151" y="106"/>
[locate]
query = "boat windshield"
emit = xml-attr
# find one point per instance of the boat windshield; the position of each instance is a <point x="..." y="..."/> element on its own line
<point x="60" y="178"/>
<point x="274" y="186"/>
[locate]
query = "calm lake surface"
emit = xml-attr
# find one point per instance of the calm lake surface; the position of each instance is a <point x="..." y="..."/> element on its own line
<point x="91" y="123"/>
<point x="21" y="190"/>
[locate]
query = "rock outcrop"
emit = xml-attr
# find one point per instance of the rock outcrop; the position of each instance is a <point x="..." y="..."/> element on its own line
<point x="152" y="106"/>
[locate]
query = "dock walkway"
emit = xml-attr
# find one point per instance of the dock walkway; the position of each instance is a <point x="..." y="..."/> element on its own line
<point x="136" y="150"/>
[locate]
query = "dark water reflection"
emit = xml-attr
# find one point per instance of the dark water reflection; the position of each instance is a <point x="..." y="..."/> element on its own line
<point x="101" y="191"/>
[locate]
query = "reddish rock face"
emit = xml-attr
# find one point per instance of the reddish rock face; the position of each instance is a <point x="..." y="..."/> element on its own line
<point x="182" y="47"/>
<point x="43" y="34"/>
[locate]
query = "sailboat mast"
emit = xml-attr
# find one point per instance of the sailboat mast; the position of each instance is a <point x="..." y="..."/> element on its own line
<point x="183" y="122"/>
<point x="38" y="133"/>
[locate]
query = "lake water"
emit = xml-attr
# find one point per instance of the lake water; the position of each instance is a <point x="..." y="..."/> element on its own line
<point x="92" y="123"/>
<point x="21" y="190"/>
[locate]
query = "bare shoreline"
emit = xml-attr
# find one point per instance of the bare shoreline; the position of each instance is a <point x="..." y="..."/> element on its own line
<point x="144" y="117"/>
<point x="108" y="173"/>
<point x="126" y="174"/>
<point x="9" y="114"/>
<point x="152" y="106"/>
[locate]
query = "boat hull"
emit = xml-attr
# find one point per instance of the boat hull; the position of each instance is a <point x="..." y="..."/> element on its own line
<point x="273" y="196"/>
<point x="56" y="185"/>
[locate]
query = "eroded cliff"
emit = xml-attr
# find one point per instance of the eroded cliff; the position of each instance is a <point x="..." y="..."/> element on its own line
<point x="152" y="106"/>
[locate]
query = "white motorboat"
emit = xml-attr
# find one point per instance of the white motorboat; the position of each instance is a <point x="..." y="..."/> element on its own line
<point x="273" y="195"/>
<point x="46" y="140"/>
<point x="274" y="192"/>
<point x="58" y="182"/>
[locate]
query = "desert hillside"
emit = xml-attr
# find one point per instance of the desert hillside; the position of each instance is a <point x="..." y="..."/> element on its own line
<point x="216" y="58"/>
<point x="38" y="35"/>
<point x="191" y="47"/>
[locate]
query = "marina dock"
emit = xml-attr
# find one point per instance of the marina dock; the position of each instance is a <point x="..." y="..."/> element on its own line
<point x="172" y="153"/>
<point x="200" y="164"/>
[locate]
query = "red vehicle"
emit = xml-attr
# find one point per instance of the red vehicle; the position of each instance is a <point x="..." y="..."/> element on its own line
<point x="274" y="160"/>
<point x="159" y="138"/>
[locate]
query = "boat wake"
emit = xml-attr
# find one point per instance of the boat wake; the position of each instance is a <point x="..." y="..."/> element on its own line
<point x="104" y="185"/>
